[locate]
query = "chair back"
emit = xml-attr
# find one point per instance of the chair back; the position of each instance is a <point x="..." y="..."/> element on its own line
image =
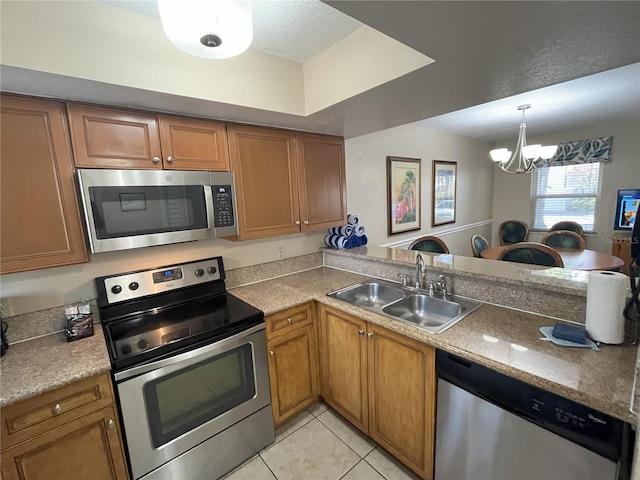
<point x="478" y="244"/>
<point x="429" y="244"/>
<point x="564" y="239"/>
<point x="513" y="231"/>
<point x="531" y="253"/>
<point x="567" y="225"/>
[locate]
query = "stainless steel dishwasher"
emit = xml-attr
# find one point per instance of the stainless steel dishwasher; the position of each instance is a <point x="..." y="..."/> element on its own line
<point x="493" y="427"/>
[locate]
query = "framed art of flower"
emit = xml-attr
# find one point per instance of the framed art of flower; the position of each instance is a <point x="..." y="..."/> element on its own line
<point x="403" y="194"/>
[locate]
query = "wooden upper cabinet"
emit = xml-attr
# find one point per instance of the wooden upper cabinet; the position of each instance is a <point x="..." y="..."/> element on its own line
<point x="109" y="138"/>
<point x="286" y="182"/>
<point x="193" y="144"/>
<point x="40" y="222"/>
<point x="264" y="164"/>
<point x="321" y="173"/>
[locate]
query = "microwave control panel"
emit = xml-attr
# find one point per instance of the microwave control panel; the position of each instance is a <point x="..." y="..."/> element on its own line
<point x="223" y="205"/>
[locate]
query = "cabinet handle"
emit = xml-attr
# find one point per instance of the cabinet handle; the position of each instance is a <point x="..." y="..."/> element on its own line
<point x="57" y="409"/>
<point x="156" y="159"/>
<point x="271" y="352"/>
<point x="306" y="222"/>
<point x="289" y="321"/>
<point x="360" y="332"/>
<point x="370" y="334"/>
<point x="111" y="423"/>
<point x="169" y="159"/>
<point x="297" y="222"/>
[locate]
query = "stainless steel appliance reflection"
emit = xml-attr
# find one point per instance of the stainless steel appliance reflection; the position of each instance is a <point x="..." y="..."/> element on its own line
<point x="190" y="370"/>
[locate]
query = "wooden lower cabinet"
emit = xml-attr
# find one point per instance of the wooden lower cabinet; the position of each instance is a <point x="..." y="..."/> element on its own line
<point x="343" y="354"/>
<point x="382" y="382"/>
<point x="293" y="361"/>
<point x="69" y="432"/>
<point x="402" y="386"/>
<point x="88" y="447"/>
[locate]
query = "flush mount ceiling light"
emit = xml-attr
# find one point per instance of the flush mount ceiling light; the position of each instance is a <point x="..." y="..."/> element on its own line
<point x="211" y="29"/>
<point x="524" y="157"/>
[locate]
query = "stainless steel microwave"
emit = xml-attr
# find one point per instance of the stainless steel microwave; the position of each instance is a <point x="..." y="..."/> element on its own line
<point x="141" y="208"/>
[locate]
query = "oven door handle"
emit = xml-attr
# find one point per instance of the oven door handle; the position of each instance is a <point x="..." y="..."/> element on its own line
<point x="148" y="367"/>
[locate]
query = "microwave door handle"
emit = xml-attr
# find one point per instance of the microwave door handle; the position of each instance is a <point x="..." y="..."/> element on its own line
<point x="211" y="214"/>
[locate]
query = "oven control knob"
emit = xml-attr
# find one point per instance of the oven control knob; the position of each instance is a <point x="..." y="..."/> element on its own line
<point x="199" y="272"/>
<point x="133" y="286"/>
<point x="142" y="344"/>
<point x="126" y="349"/>
<point x="116" y="289"/>
<point x="212" y="270"/>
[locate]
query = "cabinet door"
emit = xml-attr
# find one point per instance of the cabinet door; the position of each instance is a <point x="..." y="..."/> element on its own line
<point x="321" y="174"/>
<point x="402" y="386"/>
<point x="193" y="144"/>
<point x="89" y="447"/>
<point x="109" y="138"/>
<point x="343" y="352"/>
<point x="40" y="222"/>
<point x="293" y="372"/>
<point x="263" y="161"/>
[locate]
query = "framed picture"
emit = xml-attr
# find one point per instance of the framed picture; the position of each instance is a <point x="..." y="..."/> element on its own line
<point x="403" y="194"/>
<point x="443" y="200"/>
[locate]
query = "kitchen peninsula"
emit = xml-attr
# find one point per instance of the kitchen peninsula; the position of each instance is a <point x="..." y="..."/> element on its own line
<point x="602" y="380"/>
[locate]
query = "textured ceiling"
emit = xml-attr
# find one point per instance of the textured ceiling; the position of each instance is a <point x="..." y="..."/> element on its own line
<point x="563" y="57"/>
<point x="294" y="29"/>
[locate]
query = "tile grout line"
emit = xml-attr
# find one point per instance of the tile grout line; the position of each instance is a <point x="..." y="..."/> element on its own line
<point x="347" y="445"/>
<point x="268" y="467"/>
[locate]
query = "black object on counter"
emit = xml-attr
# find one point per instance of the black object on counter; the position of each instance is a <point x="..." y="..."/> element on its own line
<point x="5" y="343"/>
<point x="79" y="326"/>
<point x="570" y="333"/>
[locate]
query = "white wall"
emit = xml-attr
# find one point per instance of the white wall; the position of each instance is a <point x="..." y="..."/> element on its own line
<point x="50" y="287"/>
<point x="511" y="198"/>
<point x="367" y="183"/>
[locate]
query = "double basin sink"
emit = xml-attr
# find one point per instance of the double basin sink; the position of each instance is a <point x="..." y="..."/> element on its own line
<point x="408" y="305"/>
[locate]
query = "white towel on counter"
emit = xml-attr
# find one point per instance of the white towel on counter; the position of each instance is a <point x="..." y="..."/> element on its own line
<point x="343" y="231"/>
<point x="353" y="219"/>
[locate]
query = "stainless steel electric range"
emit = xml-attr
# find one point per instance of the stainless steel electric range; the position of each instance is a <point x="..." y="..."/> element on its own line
<point x="189" y="365"/>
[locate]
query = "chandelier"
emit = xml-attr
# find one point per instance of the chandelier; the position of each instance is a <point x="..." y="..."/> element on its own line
<point x="524" y="157"/>
<point x="211" y="29"/>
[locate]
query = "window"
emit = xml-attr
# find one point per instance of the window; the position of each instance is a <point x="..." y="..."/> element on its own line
<point x="568" y="192"/>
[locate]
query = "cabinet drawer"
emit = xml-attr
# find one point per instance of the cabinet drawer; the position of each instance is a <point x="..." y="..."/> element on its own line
<point x="25" y="419"/>
<point x="290" y="319"/>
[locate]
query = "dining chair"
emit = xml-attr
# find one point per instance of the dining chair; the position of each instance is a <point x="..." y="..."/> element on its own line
<point x="564" y="239"/>
<point x="531" y="253"/>
<point x="429" y="243"/>
<point x="478" y="244"/>
<point x="568" y="225"/>
<point x="513" y="231"/>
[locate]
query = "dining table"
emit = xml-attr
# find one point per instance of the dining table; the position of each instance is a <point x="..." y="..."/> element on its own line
<point x="572" y="258"/>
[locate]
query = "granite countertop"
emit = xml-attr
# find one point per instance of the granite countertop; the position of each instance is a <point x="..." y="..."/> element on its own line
<point x="503" y="339"/>
<point x="45" y="363"/>
<point x="500" y="338"/>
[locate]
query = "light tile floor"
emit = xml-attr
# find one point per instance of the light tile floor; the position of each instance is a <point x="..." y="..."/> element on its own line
<point x="318" y="444"/>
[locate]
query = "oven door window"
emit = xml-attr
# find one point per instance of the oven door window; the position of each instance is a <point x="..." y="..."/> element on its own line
<point x="127" y="211"/>
<point x="181" y="401"/>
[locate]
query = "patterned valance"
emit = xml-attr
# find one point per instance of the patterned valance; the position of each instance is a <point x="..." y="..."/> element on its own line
<point x="584" y="151"/>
